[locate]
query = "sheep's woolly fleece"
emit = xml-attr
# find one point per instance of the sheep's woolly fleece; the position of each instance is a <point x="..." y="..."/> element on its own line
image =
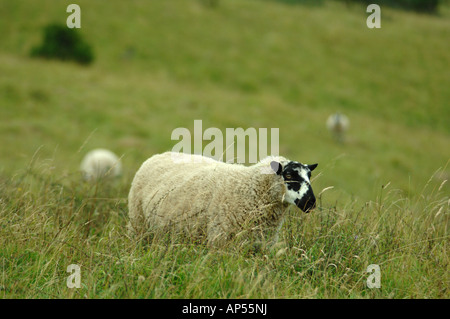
<point x="100" y="163"/>
<point x="205" y="198"/>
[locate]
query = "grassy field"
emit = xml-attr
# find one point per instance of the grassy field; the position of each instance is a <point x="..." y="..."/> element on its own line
<point x="244" y="63"/>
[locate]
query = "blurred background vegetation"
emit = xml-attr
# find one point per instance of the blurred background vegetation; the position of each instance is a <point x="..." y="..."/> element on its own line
<point x="159" y="65"/>
<point x="237" y="63"/>
<point x="63" y="43"/>
<point x="427" y="6"/>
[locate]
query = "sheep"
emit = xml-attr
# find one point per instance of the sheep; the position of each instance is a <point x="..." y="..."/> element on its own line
<point x="100" y="163"/>
<point x="215" y="201"/>
<point x="338" y="125"/>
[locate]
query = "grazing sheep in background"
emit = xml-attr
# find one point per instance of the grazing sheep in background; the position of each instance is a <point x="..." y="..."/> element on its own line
<point x="338" y="125"/>
<point x="204" y="198"/>
<point x="100" y="163"/>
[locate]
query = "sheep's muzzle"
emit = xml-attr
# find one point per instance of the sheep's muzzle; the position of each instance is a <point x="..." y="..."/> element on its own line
<point x="306" y="204"/>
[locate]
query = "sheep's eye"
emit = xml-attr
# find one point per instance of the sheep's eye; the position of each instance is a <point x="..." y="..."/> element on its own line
<point x="288" y="176"/>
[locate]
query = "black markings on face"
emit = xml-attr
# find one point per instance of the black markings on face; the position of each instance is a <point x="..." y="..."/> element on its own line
<point x="297" y="179"/>
<point x="292" y="174"/>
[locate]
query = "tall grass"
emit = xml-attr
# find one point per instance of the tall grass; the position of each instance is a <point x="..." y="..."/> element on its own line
<point x="48" y="223"/>
<point x="244" y="63"/>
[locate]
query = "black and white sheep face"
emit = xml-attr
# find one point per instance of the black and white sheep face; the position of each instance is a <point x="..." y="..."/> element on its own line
<point x="296" y="178"/>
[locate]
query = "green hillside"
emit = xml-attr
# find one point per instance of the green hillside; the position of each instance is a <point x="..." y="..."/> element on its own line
<point x="160" y="65"/>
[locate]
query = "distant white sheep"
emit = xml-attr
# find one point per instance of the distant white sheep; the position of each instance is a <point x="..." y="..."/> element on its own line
<point x="216" y="201"/>
<point x="100" y="163"/>
<point x="338" y="125"/>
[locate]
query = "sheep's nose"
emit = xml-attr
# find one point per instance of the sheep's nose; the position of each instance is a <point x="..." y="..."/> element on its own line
<point x="306" y="204"/>
<point x="310" y="205"/>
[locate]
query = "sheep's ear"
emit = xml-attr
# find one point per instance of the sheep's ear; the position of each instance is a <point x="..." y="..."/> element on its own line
<point x="312" y="167"/>
<point x="276" y="167"/>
